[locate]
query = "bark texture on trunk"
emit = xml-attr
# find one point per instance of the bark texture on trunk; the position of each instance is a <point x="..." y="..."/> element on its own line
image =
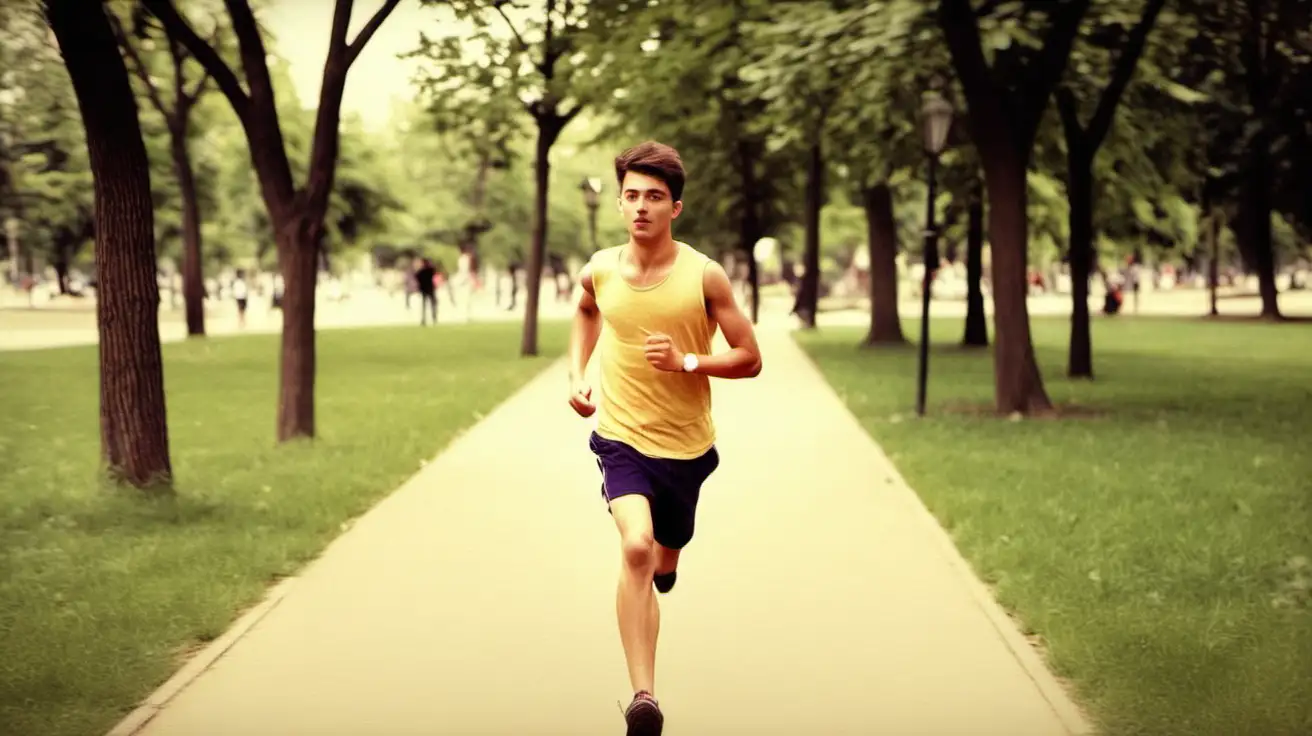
<point x="1079" y="359"/>
<point x="977" y="328"/>
<point x="133" y="418"/>
<point x="1018" y="386"/>
<point x="538" y="248"/>
<point x="193" y="287"/>
<point x="1255" y="226"/>
<point x="881" y="238"/>
<point x="299" y="262"/>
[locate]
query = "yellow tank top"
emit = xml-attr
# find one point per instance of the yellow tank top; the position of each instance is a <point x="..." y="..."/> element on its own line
<point x="658" y="413"/>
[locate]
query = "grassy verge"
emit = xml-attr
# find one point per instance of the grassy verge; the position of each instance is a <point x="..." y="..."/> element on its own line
<point x="1159" y="541"/>
<point x="102" y="592"/>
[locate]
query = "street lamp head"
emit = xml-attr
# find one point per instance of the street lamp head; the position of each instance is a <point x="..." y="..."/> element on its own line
<point x="591" y="187"/>
<point x="937" y="113"/>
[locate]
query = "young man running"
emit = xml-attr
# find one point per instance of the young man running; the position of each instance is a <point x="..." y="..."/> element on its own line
<point x="650" y="308"/>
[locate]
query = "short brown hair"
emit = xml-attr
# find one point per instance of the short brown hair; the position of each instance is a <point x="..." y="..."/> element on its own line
<point x="653" y="159"/>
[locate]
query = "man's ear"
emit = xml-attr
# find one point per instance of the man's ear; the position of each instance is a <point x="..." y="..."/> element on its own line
<point x="678" y="207"/>
<point x="619" y="204"/>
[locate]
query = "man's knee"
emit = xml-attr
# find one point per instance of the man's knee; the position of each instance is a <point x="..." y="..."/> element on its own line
<point x="639" y="551"/>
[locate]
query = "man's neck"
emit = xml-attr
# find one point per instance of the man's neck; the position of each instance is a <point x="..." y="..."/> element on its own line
<point x="645" y="254"/>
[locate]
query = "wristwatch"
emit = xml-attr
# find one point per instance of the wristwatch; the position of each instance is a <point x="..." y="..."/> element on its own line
<point x="689" y="363"/>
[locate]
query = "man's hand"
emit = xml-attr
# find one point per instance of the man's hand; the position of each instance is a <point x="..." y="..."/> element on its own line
<point x="580" y="398"/>
<point x="662" y="354"/>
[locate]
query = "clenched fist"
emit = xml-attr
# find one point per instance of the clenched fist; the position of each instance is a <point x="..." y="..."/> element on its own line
<point x="662" y="354"/>
<point x="580" y="398"/>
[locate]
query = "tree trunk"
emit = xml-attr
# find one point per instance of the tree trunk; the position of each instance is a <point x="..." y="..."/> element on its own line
<point x="977" y="328"/>
<point x="1257" y="224"/>
<point x="1214" y="261"/>
<point x="298" y="251"/>
<point x="193" y="287"/>
<point x="538" y="248"/>
<point x="808" y="296"/>
<point x="754" y="282"/>
<point x="881" y="238"/>
<point x="1079" y="362"/>
<point x="749" y="234"/>
<point x="749" y="224"/>
<point x="1017" y="383"/>
<point x="1255" y="202"/>
<point x="133" y="421"/>
<point x="61" y="263"/>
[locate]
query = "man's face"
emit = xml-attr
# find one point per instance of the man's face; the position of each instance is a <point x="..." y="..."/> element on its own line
<point x="647" y="206"/>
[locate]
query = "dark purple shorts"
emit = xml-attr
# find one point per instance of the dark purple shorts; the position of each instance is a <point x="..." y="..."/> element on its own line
<point x="671" y="486"/>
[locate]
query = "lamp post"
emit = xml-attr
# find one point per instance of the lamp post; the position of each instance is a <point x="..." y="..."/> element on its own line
<point x="937" y="114"/>
<point x="591" y="187"/>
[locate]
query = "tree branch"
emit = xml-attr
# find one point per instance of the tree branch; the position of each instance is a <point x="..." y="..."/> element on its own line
<point x="983" y="98"/>
<point x="178" y="28"/>
<point x="518" y="37"/>
<point x="367" y="32"/>
<point x="1068" y="109"/>
<point x="1046" y="70"/>
<point x="327" y="137"/>
<point x="201" y="83"/>
<point x="134" y="61"/>
<point x="1126" y="63"/>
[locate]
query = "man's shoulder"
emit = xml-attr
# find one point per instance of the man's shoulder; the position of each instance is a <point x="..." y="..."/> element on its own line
<point x="701" y="256"/>
<point x="605" y="257"/>
<point x="604" y="261"/>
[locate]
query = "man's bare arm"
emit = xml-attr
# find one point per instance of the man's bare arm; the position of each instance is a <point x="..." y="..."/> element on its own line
<point x="743" y="359"/>
<point x="587" y="327"/>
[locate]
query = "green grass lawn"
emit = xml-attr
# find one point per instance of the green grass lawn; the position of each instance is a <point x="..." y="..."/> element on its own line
<point x="102" y="591"/>
<point x="1159" y="544"/>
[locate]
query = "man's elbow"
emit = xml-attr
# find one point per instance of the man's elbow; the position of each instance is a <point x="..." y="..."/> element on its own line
<point x="754" y="369"/>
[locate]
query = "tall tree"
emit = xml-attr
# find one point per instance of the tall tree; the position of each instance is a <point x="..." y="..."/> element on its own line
<point x="174" y="106"/>
<point x="297" y="214"/>
<point x="1006" y="101"/>
<point x="133" y="421"/>
<point x="1082" y="144"/>
<point x="536" y="66"/>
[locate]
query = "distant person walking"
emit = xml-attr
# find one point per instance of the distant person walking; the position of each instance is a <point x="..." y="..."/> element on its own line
<point x="241" y="292"/>
<point x="425" y="281"/>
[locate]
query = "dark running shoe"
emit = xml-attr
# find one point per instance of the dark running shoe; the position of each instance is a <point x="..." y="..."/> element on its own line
<point x="665" y="582"/>
<point x="644" y="716"/>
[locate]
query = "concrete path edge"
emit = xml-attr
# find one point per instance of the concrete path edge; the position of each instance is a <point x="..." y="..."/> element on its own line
<point x="1059" y="699"/>
<point x="200" y="662"/>
<point x="203" y="660"/>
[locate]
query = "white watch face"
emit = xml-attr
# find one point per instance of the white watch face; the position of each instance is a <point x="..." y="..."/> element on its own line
<point x="689" y="363"/>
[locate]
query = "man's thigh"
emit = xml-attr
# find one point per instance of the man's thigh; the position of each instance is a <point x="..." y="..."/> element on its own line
<point x="677" y="492"/>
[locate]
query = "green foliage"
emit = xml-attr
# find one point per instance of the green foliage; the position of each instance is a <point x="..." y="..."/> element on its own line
<point x="45" y="177"/>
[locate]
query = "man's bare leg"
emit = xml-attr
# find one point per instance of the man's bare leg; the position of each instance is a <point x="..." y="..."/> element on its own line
<point x="635" y="602"/>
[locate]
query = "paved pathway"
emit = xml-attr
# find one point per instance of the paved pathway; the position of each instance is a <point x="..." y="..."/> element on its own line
<point x="819" y="597"/>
